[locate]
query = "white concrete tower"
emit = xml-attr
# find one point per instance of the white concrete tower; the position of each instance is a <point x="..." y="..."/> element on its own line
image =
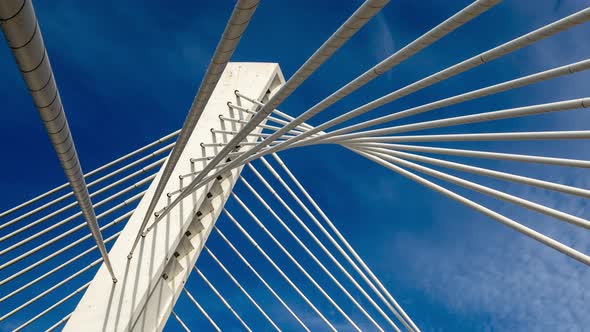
<point x="150" y="283"/>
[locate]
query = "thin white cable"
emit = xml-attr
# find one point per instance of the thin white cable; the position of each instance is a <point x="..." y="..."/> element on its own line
<point x="182" y="324"/>
<point x="559" y="106"/>
<point x="485" y="172"/>
<point x="397" y="310"/>
<point x="339" y="235"/>
<point x="295" y="262"/>
<point x="273" y="292"/>
<point x="58" y="323"/>
<point x="483" y="154"/>
<point x="99" y="169"/>
<point x="207" y="145"/>
<point x="59" y="252"/>
<point x="487" y="56"/>
<point x="56" y="269"/>
<point x="48" y="229"/>
<point x="315" y="259"/>
<point x="548" y="241"/>
<point x="480" y="137"/>
<point x="53" y="306"/>
<point x="297" y="131"/>
<point x="242" y="289"/>
<point x="59" y="237"/>
<point x="51" y="289"/>
<point x="574" y="220"/>
<point x="234" y="29"/>
<point x="272" y="262"/>
<point x="201" y="309"/>
<point x="231" y="132"/>
<point x="227" y="305"/>
<point x="106" y="200"/>
<point x="358" y="19"/>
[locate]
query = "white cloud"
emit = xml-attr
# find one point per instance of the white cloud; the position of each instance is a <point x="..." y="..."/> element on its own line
<point x="384" y="45"/>
<point x="516" y="281"/>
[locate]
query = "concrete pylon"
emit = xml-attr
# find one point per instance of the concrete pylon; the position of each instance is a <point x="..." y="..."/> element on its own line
<point x="150" y="283"/>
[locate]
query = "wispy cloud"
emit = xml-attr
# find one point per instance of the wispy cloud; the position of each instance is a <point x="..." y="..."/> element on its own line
<point x="384" y="44"/>
<point x="529" y="289"/>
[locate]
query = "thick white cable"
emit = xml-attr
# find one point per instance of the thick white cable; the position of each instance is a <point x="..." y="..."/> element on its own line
<point x="559" y="106"/>
<point x="315" y="259"/>
<point x="396" y="309"/>
<point x="580" y="222"/>
<point x="201" y="309"/>
<point x="483" y="171"/>
<point x="438" y="32"/>
<point x="358" y="19"/>
<point x="272" y="262"/>
<point x="548" y="241"/>
<point x="227" y="305"/>
<point x="22" y="33"/>
<point x="242" y="289"/>
<point x="455" y="21"/>
<point x="346" y="244"/>
<point x="245" y="261"/>
<point x="490" y="90"/>
<point x="501" y="87"/>
<point x="235" y="27"/>
<point x="295" y="262"/>
<point x="480" y="137"/>
<point x="487" y="155"/>
<point x="497" y="52"/>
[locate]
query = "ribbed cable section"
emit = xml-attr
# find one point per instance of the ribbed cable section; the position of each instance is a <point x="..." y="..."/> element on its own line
<point x="237" y="24"/>
<point x="23" y="35"/>
<point x="357" y="20"/>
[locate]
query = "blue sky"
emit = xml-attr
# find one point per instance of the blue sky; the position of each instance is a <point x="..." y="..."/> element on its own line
<point x="128" y="72"/>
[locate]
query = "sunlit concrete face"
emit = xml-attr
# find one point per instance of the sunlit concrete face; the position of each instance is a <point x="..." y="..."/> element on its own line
<point x="151" y="281"/>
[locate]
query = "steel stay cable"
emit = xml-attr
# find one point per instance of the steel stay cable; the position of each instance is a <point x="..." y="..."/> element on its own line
<point x="315" y="259"/>
<point x="230" y="38"/>
<point x="272" y="262"/>
<point x="273" y="292"/>
<point x="359" y="18"/>
<point x="201" y="309"/>
<point x="492" y="54"/>
<point x="237" y="283"/>
<point x="346" y="244"/>
<point x="396" y="309"/>
<point x="548" y="241"/>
